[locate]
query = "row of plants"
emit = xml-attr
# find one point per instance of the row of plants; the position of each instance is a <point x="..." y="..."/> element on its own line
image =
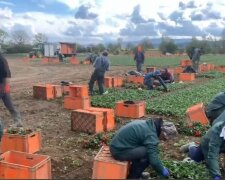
<point x="131" y="92"/>
<point x="176" y="103"/>
<point x="211" y="74"/>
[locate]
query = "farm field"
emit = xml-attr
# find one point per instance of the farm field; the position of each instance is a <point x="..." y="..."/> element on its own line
<point x="72" y="153"/>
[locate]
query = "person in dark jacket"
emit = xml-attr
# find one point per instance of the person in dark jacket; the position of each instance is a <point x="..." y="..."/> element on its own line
<point x="211" y="146"/>
<point x="215" y="107"/>
<point x="139" y="58"/>
<point x="166" y="76"/>
<point x="101" y="65"/>
<point x="138" y="142"/>
<point x="150" y="77"/>
<point x="5" y="91"/>
<point x="196" y="58"/>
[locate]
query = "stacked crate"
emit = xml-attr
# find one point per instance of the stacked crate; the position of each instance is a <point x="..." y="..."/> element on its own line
<point x="78" y="98"/>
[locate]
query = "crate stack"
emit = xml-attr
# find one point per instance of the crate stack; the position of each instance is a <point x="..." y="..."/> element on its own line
<point x="47" y="92"/>
<point x="18" y="160"/>
<point x="78" y="98"/>
<point x="112" y="82"/>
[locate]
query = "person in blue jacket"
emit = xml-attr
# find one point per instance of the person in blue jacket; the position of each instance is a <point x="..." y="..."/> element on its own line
<point x="150" y="77"/>
<point x="139" y="57"/>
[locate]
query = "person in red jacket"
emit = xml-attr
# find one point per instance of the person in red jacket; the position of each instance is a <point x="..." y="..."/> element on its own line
<point x="5" y="74"/>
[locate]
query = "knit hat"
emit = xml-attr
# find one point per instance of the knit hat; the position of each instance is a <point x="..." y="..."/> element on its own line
<point x="169" y="130"/>
<point x="105" y="53"/>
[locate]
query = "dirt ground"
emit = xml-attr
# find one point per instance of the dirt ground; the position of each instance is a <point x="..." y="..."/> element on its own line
<point x="69" y="159"/>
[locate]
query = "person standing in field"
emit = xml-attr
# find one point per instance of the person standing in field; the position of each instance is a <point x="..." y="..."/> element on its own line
<point x="101" y="65"/>
<point x="196" y="58"/>
<point x="139" y="58"/>
<point x="5" y="74"/>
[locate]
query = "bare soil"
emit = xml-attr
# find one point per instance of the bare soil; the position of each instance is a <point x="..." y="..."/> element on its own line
<point x="69" y="159"/>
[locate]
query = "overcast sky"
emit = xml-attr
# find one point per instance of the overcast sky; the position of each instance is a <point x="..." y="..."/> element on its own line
<point x="95" y="21"/>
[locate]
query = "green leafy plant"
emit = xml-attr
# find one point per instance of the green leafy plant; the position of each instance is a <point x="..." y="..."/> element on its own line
<point x="186" y="170"/>
<point x="96" y="141"/>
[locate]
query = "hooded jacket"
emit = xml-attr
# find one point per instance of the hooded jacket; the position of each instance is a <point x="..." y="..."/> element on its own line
<point x="212" y="145"/>
<point x="215" y="107"/>
<point x="136" y="134"/>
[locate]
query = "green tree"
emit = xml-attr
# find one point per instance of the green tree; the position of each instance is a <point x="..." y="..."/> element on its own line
<point x="146" y="43"/>
<point x="223" y="41"/>
<point x="20" y="37"/>
<point x="3" y="36"/>
<point x="167" y="45"/>
<point x="40" y="38"/>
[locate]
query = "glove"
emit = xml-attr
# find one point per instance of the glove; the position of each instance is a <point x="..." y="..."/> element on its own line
<point x="216" y="178"/>
<point x="165" y="172"/>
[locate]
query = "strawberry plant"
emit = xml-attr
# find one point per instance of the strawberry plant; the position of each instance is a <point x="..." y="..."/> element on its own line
<point x="97" y="140"/>
<point x="176" y="103"/>
<point x="186" y="170"/>
<point x="196" y="129"/>
<point x="211" y="74"/>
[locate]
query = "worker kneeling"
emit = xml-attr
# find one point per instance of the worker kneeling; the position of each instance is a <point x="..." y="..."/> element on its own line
<point x="211" y="146"/>
<point x="138" y="142"/>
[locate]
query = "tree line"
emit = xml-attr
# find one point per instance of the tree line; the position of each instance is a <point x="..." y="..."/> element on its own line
<point x="19" y="42"/>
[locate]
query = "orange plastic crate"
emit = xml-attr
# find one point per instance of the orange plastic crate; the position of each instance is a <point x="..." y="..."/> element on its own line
<point x="211" y="67"/>
<point x="73" y="103"/>
<point x="106" y="167"/>
<point x="117" y="81"/>
<point x="135" y="79"/>
<point x="108" y="82"/>
<point x="65" y="89"/>
<point x="20" y="165"/>
<point x="196" y="113"/>
<point x="221" y="68"/>
<point x="87" y="121"/>
<point x="44" y="92"/>
<point x="53" y="60"/>
<point x="44" y="60"/>
<point x="178" y="70"/>
<point x="150" y="69"/>
<point x="187" y="76"/>
<point x="204" y="67"/>
<point x="57" y="91"/>
<point x="74" y="60"/>
<point x="185" y="63"/>
<point x="78" y="91"/>
<point x="109" y="117"/>
<point x="135" y="110"/>
<point x="30" y="143"/>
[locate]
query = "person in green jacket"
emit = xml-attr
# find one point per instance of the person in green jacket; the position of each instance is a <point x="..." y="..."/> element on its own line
<point x="215" y="107"/>
<point x="211" y="146"/>
<point x="138" y="142"/>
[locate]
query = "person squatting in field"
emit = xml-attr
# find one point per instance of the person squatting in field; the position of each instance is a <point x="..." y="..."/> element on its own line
<point x="138" y="142"/>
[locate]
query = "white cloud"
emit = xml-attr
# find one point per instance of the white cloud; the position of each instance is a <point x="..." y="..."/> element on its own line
<point x="113" y="15"/>
<point x="70" y="3"/>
